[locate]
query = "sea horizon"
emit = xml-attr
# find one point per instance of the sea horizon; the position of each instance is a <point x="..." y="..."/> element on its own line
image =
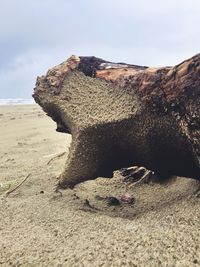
<point x="16" y="101"/>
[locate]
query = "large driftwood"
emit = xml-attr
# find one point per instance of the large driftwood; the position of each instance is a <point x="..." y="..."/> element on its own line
<point x="122" y="115"/>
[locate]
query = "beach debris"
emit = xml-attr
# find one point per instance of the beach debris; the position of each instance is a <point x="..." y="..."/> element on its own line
<point x="9" y="187"/>
<point x="127" y="198"/>
<point x="117" y="200"/>
<point x="137" y="175"/>
<point x="124" y="115"/>
<point x="55" y="157"/>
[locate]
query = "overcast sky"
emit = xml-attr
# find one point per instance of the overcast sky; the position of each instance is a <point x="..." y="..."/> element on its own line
<point x="38" y="34"/>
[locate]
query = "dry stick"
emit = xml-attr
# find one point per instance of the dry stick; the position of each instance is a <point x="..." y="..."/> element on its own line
<point x="143" y="178"/>
<point x="57" y="156"/>
<point x="15" y="188"/>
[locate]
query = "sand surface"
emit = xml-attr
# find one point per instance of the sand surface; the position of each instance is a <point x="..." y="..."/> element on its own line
<point x="39" y="227"/>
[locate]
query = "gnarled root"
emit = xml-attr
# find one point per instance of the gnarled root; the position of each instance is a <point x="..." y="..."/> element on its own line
<point x="136" y="175"/>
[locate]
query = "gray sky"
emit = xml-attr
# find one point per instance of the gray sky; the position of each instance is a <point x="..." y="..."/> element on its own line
<point x="38" y="34"/>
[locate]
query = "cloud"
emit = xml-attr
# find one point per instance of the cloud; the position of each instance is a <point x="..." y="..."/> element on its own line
<point x="36" y="35"/>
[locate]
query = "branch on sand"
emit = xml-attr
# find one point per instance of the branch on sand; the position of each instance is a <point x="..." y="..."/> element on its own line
<point x="16" y="187"/>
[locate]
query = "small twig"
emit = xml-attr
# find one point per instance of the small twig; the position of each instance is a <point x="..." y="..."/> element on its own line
<point x="16" y="187"/>
<point x="57" y="156"/>
<point x="144" y="178"/>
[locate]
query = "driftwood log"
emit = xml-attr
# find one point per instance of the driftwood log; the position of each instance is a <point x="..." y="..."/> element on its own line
<point x="122" y="115"/>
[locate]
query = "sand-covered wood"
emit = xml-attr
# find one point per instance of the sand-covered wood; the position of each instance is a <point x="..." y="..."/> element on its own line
<point x="122" y="115"/>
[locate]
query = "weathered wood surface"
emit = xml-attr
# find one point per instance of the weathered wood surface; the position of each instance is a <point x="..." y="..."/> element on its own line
<point x="121" y="115"/>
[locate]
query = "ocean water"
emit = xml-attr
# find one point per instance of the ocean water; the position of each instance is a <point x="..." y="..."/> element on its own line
<point x="16" y="101"/>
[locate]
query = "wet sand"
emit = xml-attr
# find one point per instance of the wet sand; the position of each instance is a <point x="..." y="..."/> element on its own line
<point x="39" y="227"/>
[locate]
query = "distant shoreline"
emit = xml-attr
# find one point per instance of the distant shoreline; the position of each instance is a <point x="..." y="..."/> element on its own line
<point x="18" y="105"/>
<point x="16" y="101"/>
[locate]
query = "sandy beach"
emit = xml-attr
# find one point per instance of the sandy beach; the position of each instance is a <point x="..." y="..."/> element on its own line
<point x="41" y="227"/>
